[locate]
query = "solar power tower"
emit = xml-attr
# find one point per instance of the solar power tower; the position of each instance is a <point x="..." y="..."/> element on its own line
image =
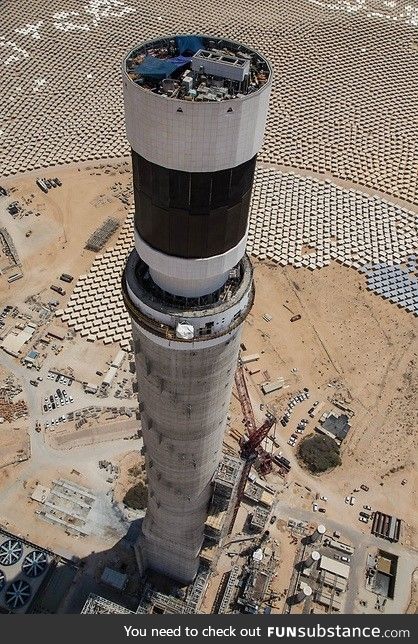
<point x="195" y="112"/>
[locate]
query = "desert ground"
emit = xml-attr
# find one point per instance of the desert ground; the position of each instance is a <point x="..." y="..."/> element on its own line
<point x="348" y="345"/>
<point x="351" y="139"/>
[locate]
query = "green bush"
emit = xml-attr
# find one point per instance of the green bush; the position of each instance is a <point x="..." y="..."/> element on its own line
<point x="319" y="453"/>
<point x="137" y="497"/>
<point x="135" y="471"/>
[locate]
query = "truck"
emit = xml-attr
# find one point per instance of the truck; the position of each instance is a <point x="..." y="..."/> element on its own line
<point x="42" y="185"/>
<point x="65" y="277"/>
<point x="57" y="289"/>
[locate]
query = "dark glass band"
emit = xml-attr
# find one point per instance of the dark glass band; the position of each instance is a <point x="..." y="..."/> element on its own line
<point x="191" y="215"/>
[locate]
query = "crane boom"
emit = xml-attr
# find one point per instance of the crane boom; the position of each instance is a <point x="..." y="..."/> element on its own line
<point x="244" y="397"/>
<point x="250" y="446"/>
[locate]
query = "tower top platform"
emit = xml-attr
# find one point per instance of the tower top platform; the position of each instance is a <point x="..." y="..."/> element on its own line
<point x="197" y="68"/>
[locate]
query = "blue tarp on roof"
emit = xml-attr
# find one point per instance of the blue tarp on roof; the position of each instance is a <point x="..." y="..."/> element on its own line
<point x="160" y="68"/>
<point x="189" y="44"/>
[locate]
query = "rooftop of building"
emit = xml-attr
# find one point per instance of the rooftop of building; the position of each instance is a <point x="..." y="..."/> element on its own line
<point x="339" y="426"/>
<point x="197" y="68"/>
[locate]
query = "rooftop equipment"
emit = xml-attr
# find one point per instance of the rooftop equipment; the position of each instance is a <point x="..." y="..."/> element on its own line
<point x="219" y="64"/>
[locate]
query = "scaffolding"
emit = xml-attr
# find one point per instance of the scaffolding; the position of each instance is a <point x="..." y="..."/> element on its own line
<point x="9" y="247"/>
<point x="230" y="590"/>
<point x="195" y="596"/>
<point x="259" y="518"/>
<point x="100" y="236"/>
<point x="152" y="599"/>
<point x="96" y="605"/>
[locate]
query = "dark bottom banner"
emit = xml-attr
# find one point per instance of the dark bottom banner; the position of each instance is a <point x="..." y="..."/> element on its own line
<point x="186" y="629"/>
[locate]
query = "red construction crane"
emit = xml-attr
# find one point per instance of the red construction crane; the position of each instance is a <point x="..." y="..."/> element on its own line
<point x="244" y="397"/>
<point x="250" y="446"/>
<point x="250" y="450"/>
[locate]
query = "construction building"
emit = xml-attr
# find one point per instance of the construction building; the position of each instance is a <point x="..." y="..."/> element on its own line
<point x="257" y="575"/>
<point x="224" y="489"/>
<point x="386" y="526"/>
<point x="195" y="112"/>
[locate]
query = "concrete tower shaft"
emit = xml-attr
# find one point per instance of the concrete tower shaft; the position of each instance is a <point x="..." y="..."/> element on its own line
<point x="184" y="395"/>
<point x="195" y="109"/>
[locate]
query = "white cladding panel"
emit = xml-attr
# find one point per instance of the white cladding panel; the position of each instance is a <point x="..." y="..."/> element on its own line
<point x="204" y="137"/>
<point x="189" y="277"/>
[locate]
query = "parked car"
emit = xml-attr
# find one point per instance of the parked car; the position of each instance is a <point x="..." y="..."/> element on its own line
<point x="367" y="507"/>
<point x="314" y="507"/>
<point x="346" y="559"/>
<point x="45" y="407"/>
<point x="363" y="519"/>
<point x="364" y="487"/>
<point x="321" y="510"/>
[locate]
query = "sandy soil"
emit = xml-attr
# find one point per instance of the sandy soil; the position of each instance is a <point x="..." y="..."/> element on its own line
<point x="413" y="605"/>
<point x="24" y="521"/>
<point x="94" y="435"/>
<point x="285" y="548"/>
<point x="14" y="444"/>
<point x="131" y="472"/>
<point x="68" y="216"/>
<point x="350" y="345"/>
<point x="14" y="440"/>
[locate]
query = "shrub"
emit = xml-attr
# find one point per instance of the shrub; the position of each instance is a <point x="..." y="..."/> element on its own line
<point x="319" y="453"/>
<point x="135" y="471"/>
<point x="136" y="497"/>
